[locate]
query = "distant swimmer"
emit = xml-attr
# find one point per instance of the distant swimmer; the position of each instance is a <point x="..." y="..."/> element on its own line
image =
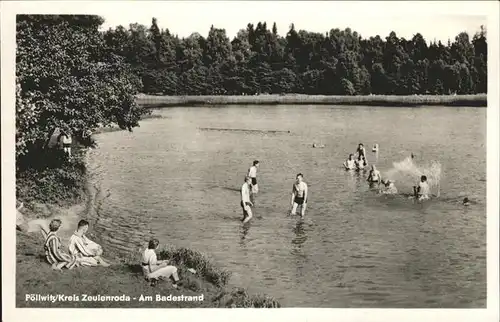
<point x="389" y="188"/>
<point x="350" y="163"/>
<point x="466" y="202"/>
<point x="252" y="173"/>
<point x="318" y="145"/>
<point x="300" y="194"/>
<point x="361" y="150"/>
<point x="374" y="176"/>
<point x="361" y="162"/>
<point x="245" y="199"/>
<point x="375" y="148"/>
<point x="422" y="191"/>
<point x="412" y="156"/>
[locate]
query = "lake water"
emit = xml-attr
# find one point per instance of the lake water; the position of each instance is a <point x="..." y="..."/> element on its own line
<point x="355" y="248"/>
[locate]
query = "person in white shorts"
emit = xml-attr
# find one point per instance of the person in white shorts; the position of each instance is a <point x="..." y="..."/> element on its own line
<point x="245" y="199"/>
<point x="299" y="196"/>
<point x="252" y="173"/>
<point x="422" y="191"/>
<point x="66" y="142"/>
<point x="155" y="269"/>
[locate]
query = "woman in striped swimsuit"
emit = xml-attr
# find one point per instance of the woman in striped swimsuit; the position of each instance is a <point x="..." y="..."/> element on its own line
<point x="55" y="256"/>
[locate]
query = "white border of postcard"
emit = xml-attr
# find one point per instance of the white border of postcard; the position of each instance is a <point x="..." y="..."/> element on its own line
<point x="358" y="10"/>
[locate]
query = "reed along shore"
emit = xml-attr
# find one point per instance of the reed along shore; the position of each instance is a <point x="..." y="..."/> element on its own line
<point x="476" y="100"/>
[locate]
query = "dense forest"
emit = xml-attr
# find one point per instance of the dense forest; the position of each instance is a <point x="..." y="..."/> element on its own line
<point x="259" y="61"/>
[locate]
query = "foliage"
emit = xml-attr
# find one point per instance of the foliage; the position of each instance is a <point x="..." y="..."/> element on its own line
<point x="51" y="180"/>
<point x="67" y="78"/>
<point x="194" y="259"/>
<point x="260" y="61"/>
<point x="239" y="298"/>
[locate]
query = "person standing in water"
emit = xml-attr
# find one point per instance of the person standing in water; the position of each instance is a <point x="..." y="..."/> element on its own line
<point x="350" y="163"/>
<point x="361" y="162"/>
<point x="361" y="151"/>
<point x="422" y="191"/>
<point x="374" y="176"/>
<point x="300" y="194"/>
<point x="252" y="173"/>
<point x="245" y="199"/>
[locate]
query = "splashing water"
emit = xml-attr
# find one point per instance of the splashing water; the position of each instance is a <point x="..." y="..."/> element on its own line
<point x="407" y="172"/>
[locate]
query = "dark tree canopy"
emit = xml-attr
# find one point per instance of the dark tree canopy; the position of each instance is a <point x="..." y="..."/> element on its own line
<point x="339" y="62"/>
<point x="68" y="78"/>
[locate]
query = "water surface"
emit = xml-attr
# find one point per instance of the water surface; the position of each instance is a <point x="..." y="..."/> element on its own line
<point x="173" y="180"/>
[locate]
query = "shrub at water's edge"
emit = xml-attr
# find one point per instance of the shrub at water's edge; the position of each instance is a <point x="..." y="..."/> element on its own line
<point x="54" y="180"/>
<point x="477" y="100"/>
<point x="196" y="260"/>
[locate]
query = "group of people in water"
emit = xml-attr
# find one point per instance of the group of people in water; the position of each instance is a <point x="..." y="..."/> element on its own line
<point x="82" y="251"/>
<point x="358" y="162"/>
<point x="250" y="188"/>
<point x="355" y="162"/>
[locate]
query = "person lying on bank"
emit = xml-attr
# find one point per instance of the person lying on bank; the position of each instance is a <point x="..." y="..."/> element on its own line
<point x="53" y="253"/>
<point x="154" y="269"/>
<point x="85" y="250"/>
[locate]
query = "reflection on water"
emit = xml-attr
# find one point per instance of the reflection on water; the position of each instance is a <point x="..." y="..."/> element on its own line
<point x="354" y="248"/>
<point x="300" y="235"/>
<point x="244" y="232"/>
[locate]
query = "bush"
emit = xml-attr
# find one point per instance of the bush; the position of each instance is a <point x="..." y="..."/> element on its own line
<point x="53" y="180"/>
<point x="239" y="298"/>
<point x="202" y="264"/>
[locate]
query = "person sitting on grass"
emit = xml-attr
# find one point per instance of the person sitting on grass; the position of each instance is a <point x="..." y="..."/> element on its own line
<point x="85" y="250"/>
<point x="155" y="269"/>
<point x="53" y="253"/>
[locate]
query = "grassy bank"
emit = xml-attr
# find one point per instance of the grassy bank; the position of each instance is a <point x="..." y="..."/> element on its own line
<point x="49" y="193"/>
<point x="478" y="100"/>
<point x="34" y="276"/>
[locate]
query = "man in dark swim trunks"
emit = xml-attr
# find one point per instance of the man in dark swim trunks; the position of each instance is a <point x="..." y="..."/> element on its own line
<point x="299" y="196"/>
<point x="252" y="173"/>
<point x="361" y="150"/>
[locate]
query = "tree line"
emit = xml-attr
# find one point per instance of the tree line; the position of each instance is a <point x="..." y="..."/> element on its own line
<point x="258" y="61"/>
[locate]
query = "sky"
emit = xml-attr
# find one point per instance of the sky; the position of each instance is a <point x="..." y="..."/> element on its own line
<point x="433" y="21"/>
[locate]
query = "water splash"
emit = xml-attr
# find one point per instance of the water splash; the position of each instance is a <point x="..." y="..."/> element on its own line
<point x="407" y="172"/>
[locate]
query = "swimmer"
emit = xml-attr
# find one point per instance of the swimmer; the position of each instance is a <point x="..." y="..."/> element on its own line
<point x="245" y="199"/>
<point x="466" y="202"/>
<point x="361" y="162"/>
<point x="318" y="145"/>
<point x="374" y="176"/>
<point x="389" y="188"/>
<point x="361" y="150"/>
<point x="350" y="163"/>
<point x="375" y="148"/>
<point x="252" y="173"/>
<point x="422" y="191"/>
<point x="300" y="194"/>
